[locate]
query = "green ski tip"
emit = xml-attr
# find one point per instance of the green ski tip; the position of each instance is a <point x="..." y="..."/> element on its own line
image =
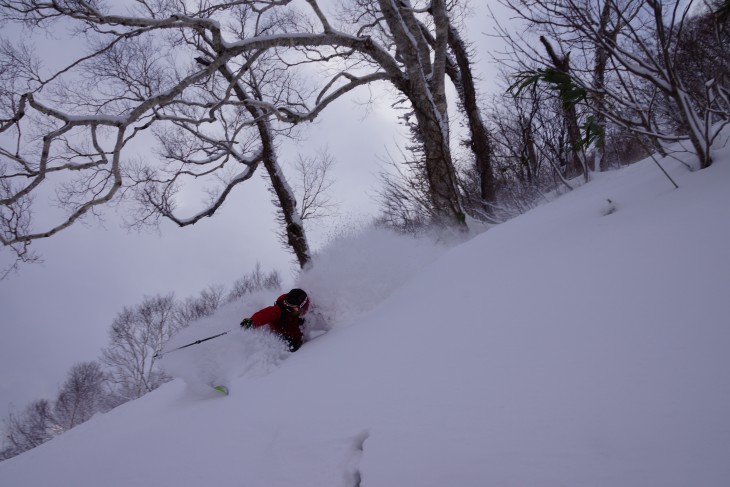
<point x="222" y="389"/>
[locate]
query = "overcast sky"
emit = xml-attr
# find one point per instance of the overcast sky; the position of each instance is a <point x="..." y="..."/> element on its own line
<point x="57" y="313"/>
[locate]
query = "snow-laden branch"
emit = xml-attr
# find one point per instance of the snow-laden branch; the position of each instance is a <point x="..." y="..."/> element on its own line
<point x="640" y="42"/>
<point x="214" y="119"/>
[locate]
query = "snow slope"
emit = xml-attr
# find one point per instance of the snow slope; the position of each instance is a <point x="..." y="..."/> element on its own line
<point x="563" y="348"/>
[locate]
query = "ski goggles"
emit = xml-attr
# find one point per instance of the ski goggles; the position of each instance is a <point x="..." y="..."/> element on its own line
<point x="296" y="308"/>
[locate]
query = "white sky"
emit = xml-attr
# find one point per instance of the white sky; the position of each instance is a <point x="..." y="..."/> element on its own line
<point x="58" y="313"/>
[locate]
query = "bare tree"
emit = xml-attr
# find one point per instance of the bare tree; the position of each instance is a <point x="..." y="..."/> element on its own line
<point x="256" y="280"/>
<point x="549" y="51"/>
<point x="215" y="83"/>
<point x="406" y="200"/>
<point x="458" y="68"/>
<point x="652" y="57"/>
<point x="81" y="396"/>
<point x="136" y="335"/>
<point x="422" y="79"/>
<point x="29" y="429"/>
<point x="630" y="74"/>
<point x="403" y="196"/>
<point x="194" y="308"/>
<point x="531" y="150"/>
<point x="313" y="184"/>
<point x="480" y="141"/>
<point x="703" y="53"/>
<point x="576" y="162"/>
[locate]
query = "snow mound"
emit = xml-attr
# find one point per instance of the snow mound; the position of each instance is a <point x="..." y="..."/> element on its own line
<point x="566" y="347"/>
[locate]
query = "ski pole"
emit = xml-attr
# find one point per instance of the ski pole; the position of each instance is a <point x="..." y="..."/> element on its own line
<point x="161" y="353"/>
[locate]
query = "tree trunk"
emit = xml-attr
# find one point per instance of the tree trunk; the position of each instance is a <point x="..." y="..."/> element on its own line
<point x="599" y="81"/>
<point x="570" y="116"/>
<point x="698" y="136"/>
<point x="531" y="161"/>
<point x="295" y="235"/>
<point x="424" y="88"/>
<point x="293" y="228"/>
<point x="439" y="167"/>
<point x="480" y="138"/>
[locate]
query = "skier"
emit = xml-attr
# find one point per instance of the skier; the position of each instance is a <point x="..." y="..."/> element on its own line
<point x="284" y="318"/>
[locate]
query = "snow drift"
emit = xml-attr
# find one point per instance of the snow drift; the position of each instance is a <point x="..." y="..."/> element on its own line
<point x="567" y="347"/>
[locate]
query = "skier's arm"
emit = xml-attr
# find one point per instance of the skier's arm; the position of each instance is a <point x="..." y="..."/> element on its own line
<point x="266" y="316"/>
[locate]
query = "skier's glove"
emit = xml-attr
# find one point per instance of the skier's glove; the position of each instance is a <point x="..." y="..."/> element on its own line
<point x="247" y="323"/>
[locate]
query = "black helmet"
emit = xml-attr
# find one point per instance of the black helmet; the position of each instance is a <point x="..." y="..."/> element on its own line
<point x="297" y="301"/>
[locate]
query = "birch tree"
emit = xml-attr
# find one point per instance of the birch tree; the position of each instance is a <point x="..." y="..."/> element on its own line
<point x="29" y="429"/>
<point x="215" y="82"/>
<point x="136" y="335"/>
<point x="81" y="395"/>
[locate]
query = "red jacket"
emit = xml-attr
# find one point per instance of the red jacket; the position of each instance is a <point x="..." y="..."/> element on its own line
<point x="281" y="322"/>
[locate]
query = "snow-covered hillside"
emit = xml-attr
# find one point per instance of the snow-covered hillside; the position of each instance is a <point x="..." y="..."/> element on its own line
<point x="563" y="348"/>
